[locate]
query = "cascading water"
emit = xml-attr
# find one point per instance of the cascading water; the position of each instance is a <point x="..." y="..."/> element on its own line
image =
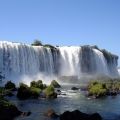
<point x="101" y="64"/>
<point x="119" y="71"/>
<point x="18" y="59"/>
<point x="69" y="59"/>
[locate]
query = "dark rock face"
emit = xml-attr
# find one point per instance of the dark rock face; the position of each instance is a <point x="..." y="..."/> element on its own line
<point x="77" y="115"/>
<point x="87" y="62"/>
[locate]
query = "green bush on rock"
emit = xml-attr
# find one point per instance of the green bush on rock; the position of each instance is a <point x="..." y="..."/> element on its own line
<point x="97" y="90"/>
<point x="37" y="84"/>
<point x="55" y="84"/>
<point x="23" y="91"/>
<point x="37" y="43"/>
<point x="100" y="88"/>
<point x="35" y="92"/>
<point x="50" y="92"/>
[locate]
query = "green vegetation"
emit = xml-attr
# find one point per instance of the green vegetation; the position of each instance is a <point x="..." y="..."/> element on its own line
<point x="50" y="92"/>
<point x="23" y="91"/>
<point x="37" y="84"/>
<point x="97" y="89"/>
<point x="35" y="92"/>
<point x="10" y="85"/>
<point x="100" y="88"/>
<point x="37" y="43"/>
<point x="1" y="90"/>
<point x="55" y="84"/>
<point x="5" y="103"/>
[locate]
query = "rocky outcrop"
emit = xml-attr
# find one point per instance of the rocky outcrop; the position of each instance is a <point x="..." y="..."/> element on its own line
<point x="74" y="115"/>
<point x="77" y="115"/>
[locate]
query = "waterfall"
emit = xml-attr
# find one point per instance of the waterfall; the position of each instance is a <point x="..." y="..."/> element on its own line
<point x="20" y="59"/>
<point x="69" y="59"/>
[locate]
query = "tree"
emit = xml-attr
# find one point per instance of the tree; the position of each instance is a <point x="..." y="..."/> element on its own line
<point x="37" y="43"/>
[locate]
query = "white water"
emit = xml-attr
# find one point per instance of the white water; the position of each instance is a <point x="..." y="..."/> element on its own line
<point x="101" y="63"/>
<point x="18" y="60"/>
<point x="119" y="71"/>
<point x="69" y="60"/>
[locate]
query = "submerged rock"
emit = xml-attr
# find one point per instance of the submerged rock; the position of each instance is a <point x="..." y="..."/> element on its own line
<point x="51" y="114"/>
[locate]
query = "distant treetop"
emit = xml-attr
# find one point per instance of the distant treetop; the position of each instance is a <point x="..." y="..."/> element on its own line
<point x="37" y="43"/>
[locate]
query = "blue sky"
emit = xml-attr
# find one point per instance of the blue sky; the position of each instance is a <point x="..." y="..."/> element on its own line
<point x="62" y="22"/>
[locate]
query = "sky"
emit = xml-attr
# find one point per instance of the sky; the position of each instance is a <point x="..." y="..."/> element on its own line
<point x="62" y="22"/>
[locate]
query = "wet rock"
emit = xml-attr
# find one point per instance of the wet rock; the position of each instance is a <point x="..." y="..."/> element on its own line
<point x="58" y="92"/>
<point x="74" y="88"/>
<point x="8" y="111"/>
<point x="77" y="115"/>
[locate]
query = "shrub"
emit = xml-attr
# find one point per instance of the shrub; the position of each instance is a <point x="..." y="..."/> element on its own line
<point x="10" y="85"/>
<point x="35" y="92"/>
<point x="97" y="90"/>
<point x="37" y="84"/>
<point x="23" y="91"/>
<point x="33" y="84"/>
<point x="50" y="92"/>
<point x="44" y="86"/>
<point x="37" y="43"/>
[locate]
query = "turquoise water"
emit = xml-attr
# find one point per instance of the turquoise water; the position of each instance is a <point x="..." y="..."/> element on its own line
<point x="108" y="107"/>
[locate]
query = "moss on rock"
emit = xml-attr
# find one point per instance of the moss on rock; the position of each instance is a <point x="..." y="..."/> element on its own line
<point x="50" y="92"/>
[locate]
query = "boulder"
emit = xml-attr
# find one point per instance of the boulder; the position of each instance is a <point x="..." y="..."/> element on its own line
<point x="74" y="88"/>
<point x="77" y="115"/>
